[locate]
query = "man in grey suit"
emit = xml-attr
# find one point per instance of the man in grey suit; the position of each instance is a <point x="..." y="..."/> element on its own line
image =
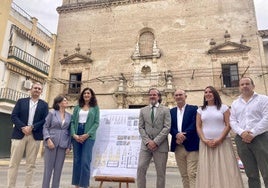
<point x="154" y="126"/>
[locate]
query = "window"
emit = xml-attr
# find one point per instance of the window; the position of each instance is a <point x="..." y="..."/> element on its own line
<point x="146" y="43"/>
<point x="19" y="42"/>
<point x="40" y="53"/>
<point x="230" y="75"/>
<point x="13" y="81"/>
<point x="75" y="83"/>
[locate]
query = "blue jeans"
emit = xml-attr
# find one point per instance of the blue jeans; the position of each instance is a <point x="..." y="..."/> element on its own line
<point x="82" y="155"/>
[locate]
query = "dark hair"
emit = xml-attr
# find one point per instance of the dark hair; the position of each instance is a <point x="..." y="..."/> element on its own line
<point x="93" y="100"/>
<point x="56" y="102"/>
<point x="252" y="82"/>
<point x="158" y="93"/>
<point x="217" y="98"/>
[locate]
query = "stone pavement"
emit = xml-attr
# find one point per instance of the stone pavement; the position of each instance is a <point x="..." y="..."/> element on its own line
<point x="173" y="179"/>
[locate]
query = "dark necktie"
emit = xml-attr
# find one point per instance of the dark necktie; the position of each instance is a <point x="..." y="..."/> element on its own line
<point x="152" y="114"/>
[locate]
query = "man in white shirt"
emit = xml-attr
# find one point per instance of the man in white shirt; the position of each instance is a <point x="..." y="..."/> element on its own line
<point x="185" y="141"/>
<point x="28" y="117"/>
<point x="249" y="119"/>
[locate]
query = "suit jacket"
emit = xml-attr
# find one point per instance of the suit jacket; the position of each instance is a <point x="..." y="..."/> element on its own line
<point x="188" y="125"/>
<point x="158" y="130"/>
<point x="92" y="122"/>
<point x="20" y="116"/>
<point x="54" y="129"/>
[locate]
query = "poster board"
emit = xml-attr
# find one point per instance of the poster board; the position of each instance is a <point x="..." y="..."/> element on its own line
<point x="117" y="144"/>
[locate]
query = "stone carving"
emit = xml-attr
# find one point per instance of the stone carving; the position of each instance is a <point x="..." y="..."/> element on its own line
<point x="156" y="50"/>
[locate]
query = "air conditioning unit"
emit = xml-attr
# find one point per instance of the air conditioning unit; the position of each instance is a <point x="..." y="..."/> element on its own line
<point x="27" y="84"/>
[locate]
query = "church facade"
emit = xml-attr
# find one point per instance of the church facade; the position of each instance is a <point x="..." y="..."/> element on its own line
<point x="121" y="48"/>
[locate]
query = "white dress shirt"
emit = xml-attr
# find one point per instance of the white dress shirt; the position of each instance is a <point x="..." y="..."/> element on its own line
<point x="250" y="116"/>
<point x="32" y="109"/>
<point x="180" y="113"/>
<point x="155" y="107"/>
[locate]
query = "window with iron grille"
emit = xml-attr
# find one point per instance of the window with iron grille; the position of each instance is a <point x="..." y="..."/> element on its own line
<point x="75" y="83"/>
<point x="230" y="75"/>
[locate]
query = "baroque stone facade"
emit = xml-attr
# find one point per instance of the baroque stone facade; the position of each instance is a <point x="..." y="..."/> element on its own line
<point x="121" y="48"/>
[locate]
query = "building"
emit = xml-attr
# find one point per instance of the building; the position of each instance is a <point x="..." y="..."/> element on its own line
<point x="264" y="35"/>
<point x="121" y="48"/>
<point x="26" y="55"/>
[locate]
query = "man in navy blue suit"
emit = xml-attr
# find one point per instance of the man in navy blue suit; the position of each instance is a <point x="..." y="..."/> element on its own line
<point x="185" y="141"/>
<point x="28" y="117"/>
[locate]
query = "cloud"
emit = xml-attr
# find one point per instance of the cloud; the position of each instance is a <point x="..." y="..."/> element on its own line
<point x="261" y="9"/>
<point x="43" y="10"/>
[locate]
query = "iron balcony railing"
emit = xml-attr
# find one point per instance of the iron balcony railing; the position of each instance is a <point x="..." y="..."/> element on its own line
<point x="74" y="87"/>
<point x="28" y="59"/>
<point x="11" y="95"/>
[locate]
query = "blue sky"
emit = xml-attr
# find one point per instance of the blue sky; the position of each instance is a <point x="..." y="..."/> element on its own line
<point x="45" y="12"/>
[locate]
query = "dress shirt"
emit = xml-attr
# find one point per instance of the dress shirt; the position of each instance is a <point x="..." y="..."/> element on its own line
<point x="180" y="113"/>
<point x="155" y="107"/>
<point x="32" y="109"/>
<point x="250" y="116"/>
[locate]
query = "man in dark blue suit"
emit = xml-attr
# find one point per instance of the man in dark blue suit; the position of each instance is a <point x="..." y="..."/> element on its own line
<point x="28" y="117"/>
<point x="185" y="141"/>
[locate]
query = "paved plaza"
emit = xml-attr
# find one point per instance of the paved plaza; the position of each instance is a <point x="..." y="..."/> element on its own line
<point x="173" y="179"/>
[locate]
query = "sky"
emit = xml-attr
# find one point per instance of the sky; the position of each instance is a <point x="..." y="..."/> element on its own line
<point x="45" y="12"/>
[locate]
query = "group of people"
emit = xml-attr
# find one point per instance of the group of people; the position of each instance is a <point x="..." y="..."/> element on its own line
<point x="59" y="130"/>
<point x="200" y="138"/>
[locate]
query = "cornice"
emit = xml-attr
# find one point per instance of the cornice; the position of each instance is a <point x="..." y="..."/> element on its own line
<point x="97" y="5"/>
<point x="234" y="47"/>
<point x="29" y="36"/>
<point x="263" y="33"/>
<point x="76" y="58"/>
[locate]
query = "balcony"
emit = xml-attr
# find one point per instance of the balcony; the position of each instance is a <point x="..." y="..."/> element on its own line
<point x="8" y="98"/>
<point x="28" y="59"/>
<point x="11" y="95"/>
<point x="74" y="88"/>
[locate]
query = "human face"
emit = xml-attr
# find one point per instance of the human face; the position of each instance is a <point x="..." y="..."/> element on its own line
<point x="87" y="96"/>
<point x="36" y="90"/>
<point x="246" y="87"/>
<point x="153" y="96"/>
<point x="180" y="98"/>
<point x="209" y="97"/>
<point x="63" y="104"/>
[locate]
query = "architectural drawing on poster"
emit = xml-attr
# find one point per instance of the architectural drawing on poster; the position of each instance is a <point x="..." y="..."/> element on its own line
<point x="117" y="145"/>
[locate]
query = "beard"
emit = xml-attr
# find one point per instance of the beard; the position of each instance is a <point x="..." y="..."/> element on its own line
<point x="153" y="101"/>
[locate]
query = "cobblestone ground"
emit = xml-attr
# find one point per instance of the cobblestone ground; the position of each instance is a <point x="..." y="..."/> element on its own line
<point x="173" y="179"/>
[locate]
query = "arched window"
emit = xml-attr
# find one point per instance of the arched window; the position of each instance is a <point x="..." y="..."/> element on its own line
<point x="146" y="42"/>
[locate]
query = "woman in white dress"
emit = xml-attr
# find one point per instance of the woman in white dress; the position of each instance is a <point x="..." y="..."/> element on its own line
<point x="218" y="166"/>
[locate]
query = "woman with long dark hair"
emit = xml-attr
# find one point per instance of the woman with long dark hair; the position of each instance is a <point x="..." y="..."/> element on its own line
<point x="84" y="124"/>
<point x="217" y="162"/>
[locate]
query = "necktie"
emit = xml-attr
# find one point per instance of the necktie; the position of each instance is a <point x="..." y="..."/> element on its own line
<point x="152" y="114"/>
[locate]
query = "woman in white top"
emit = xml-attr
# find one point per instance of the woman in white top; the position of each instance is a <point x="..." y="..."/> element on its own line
<point x="217" y="162"/>
<point x="84" y="124"/>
